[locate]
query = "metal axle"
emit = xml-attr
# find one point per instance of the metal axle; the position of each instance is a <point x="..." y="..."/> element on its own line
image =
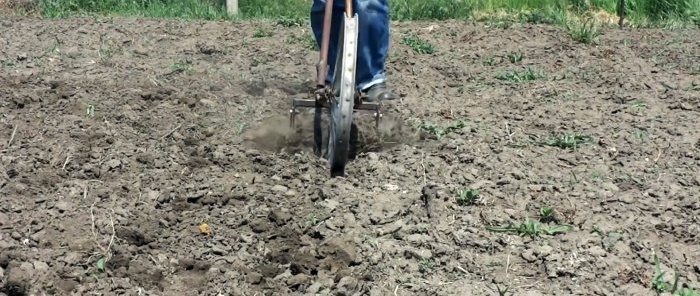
<point x="318" y="103"/>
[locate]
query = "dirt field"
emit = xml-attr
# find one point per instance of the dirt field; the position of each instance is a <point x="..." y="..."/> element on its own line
<point x="123" y="136"/>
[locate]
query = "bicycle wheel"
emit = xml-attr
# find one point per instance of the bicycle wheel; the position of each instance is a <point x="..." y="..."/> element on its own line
<point x="344" y="90"/>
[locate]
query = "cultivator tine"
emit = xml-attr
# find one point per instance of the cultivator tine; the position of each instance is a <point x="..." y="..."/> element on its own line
<point x="292" y="115"/>
<point x="377" y="115"/>
<point x="318" y="134"/>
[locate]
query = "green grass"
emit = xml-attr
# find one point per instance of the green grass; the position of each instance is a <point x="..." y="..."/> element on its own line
<point x="528" y="74"/>
<point x="296" y="12"/>
<point x="187" y="9"/>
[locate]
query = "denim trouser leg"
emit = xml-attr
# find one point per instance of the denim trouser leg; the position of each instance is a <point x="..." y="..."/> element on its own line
<point x="373" y="37"/>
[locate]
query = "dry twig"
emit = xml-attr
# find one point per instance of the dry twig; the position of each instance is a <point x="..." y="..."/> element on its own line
<point x="65" y="163"/>
<point x="105" y="250"/>
<point x="171" y="131"/>
<point x="12" y="137"/>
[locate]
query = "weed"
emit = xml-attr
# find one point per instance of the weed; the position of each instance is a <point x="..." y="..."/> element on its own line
<point x="440" y="132"/>
<point x="467" y="197"/>
<point x="528" y="74"/>
<point x="638" y="105"/>
<point x="547" y="214"/>
<point x="694" y="86"/>
<point x="291" y="22"/>
<point x="105" y="54"/>
<point x="686" y="292"/>
<point x="56" y="46"/>
<point x="489" y="61"/>
<point x="566" y="141"/>
<point x="307" y="40"/>
<point x="660" y="285"/>
<point x="515" y="57"/>
<point x="419" y="45"/>
<point x="101" y="264"/>
<point x="502" y="291"/>
<point x="586" y="32"/>
<point x="261" y="33"/>
<point x="311" y="220"/>
<point x="241" y="126"/>
<point x="180" y="66"/>
<point x="640" y="135"/>
<point x="531" y="228"/>
<point x="7" y="63"/>
<point x="426" y="265"/>
<point x="90" y="110"/>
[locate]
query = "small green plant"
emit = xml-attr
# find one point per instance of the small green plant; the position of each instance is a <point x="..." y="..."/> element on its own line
<point x="638" y="105"/>
<point x="694" y="86"/>
<point x="101" y="264"/>
<point x="547" y="214"/>
<point x="489" y="61"/>
<point x="291" y="22"/>
<point x="261" y="33"/>
<point x="90" y="110"/>
<point x="56" y="46"/>
<point x="307" y="40"/>
<point x="180" y="66"/>
<point x="440" y="132"/>
<point x="586" y="32"/>
<point x="686" y="292"/>
<point x="640" y="135"/>
<point x="311" y="220"/>
<point x="105" y="54"/>
<point x="467" y="197"/>
<point x="241" y="127"/>
<point x="528" y="74"/>
<point x="515" y="57"/>
<point x="660" y="285"/>
<point x="419" y="45"/>
<point x="531" y="228"/>
<point x="502" y="291"/>
<point x="426" y="265"/>
<point x="567" y="141"/>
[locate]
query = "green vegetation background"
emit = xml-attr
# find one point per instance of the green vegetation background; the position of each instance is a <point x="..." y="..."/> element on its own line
<point x="639" y="12"/>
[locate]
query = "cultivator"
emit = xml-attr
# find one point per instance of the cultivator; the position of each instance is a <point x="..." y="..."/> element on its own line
<point x="342" y="98"/>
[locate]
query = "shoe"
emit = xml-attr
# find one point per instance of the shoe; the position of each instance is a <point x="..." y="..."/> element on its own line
<point x="380" y="92"/>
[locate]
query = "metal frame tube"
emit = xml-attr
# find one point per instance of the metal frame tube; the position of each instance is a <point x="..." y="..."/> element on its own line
<point x="325" y="39"/>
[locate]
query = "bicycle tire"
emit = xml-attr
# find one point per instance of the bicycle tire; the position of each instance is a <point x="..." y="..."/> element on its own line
<point x="342" y="105"/>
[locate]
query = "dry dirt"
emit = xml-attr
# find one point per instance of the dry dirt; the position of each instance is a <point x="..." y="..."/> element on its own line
<point x="123" y="136"/>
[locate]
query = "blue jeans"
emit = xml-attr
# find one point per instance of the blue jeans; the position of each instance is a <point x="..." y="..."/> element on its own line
<point x="373" y="37"/>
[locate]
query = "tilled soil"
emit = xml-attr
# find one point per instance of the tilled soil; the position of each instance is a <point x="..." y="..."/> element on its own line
<point x="128" y="137"/>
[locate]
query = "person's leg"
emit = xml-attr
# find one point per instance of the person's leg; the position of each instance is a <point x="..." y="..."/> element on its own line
<point x="373" y="42"/>
<point x="317" y="13"/>
<point x="373" y="48"/>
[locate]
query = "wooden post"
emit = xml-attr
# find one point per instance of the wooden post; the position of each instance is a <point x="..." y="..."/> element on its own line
<point x="621" y="12"/>
<point x="232" y="7"/>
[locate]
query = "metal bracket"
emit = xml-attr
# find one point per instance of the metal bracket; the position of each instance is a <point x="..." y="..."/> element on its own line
<point x="322" y="103"/>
